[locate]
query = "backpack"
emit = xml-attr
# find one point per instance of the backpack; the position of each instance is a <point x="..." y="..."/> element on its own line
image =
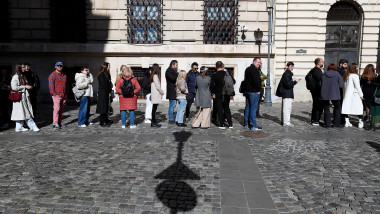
<point x="78" y="93"/>
<point x="228" y="88"/>
<point x="309" y="81"/>
<point x="127" y="88"/>
<point x="242" y="87"/>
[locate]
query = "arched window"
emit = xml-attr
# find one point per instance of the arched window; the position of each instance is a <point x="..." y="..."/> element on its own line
<point x="342" y="33"/>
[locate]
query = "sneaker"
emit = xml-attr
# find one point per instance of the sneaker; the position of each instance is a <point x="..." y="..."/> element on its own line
<point x="257" y="128"/>
<point x="147" y="121"/>
<point x="132" y="126"/>
<point x="171" y="122"/>
<point x="123" y="126"/>
<point x="230" y="126"/>
<point x="35" y="129"/>
<point x="56" y="127"/>
<point x="222" y="127"/>
<point x="315" y="123"/>
<point x="63" y="125"/>
<point x="89" y="124"/>
<point x="21" y="130"/>
<point x="246" y="126"/>
<point x="289" y="124"/>
<point x="82" y="126"/>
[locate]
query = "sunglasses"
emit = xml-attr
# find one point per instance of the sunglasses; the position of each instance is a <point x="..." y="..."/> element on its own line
<point x="60" y="65"/>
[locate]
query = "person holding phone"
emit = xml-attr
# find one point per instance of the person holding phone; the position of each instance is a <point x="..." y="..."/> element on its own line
<point x="285" y="90"/>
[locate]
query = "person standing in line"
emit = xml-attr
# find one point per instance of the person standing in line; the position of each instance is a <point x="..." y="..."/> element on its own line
<point x="191" y="81"/>
<point x="182" y="91"/>
<point x="353" y="95"/>
<point x="83" y="81"/>
<point x="369" y="75"/>
<point x="22" y="110"/>
<point x="263" y="77"/>
<point x="342" y="70"/>
<point x="375" y="108"/>
<point x="128" y="102"/>
<point x="315" y="91"/>
<point x="5" y="86"/>
<point x="171" y="75"/>
<point x="285" y="90"/>
<point x="147" y="91"/>
<point x="58" y="91"/>
<point x="122" y="71"/>
<point x="331" y="82"/>
<point x="156" y="92"/>
<point x="252" y="94"/>
<point x="34" y="81"/>
<point x="104" y="94"/>
<point x="202" y="102"/>
<point x="221" y="100"/>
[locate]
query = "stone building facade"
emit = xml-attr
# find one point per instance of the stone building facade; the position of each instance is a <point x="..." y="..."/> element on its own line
<point x="139" y="33"/>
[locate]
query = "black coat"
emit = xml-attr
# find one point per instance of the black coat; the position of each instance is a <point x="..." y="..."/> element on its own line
<point x="146" y="83"/>
<point x="252" y="79"/>
<point x="105" y="88"/>
<point x="341" y="71"/>
<point x="217" y="82"/>
<point x="286" y="85"/>
<point x="317" y="75"/>
<point x="34" y="81"/>
<point x="171" y="78"/>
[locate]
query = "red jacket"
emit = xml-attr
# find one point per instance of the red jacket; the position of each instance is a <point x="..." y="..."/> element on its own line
<point x="130" y="102"/>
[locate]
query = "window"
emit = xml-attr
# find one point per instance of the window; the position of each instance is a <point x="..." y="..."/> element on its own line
<point x="68" y="20"/>
<point x="4" y="22"/>
<point x="138" y="73"/>
<point x="220" y="22"/>
<point x="145" y="21"/>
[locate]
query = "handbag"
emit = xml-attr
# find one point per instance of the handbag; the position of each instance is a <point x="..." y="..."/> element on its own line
<point x="376" y="99"/>
<point x="14" y="96"/>
<point x="78" y="93"/>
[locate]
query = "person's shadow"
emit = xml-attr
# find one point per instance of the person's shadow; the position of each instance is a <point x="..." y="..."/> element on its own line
<point x="173" y="192"/>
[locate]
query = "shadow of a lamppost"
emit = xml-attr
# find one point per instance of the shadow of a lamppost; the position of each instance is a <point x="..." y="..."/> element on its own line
<point x="173" y="192"/>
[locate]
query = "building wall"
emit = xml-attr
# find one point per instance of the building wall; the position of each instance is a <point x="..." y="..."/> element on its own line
<point x="302" y="25"/>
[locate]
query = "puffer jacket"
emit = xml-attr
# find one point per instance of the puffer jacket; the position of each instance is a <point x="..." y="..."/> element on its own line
<point x="181" y="89"/>
<point x="81" y="83"/>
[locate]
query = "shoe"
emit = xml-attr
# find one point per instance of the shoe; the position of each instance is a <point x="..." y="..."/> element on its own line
<point x="171" y="122"/>
<point x="205" y="127"/>
<point x="82" y="126"/>
<point x="257" y="128"/>
<point x="181" y="125"/>
<point x="147" y="121"/>
<point x="361" y="124"/>
<point x="259" y="116"/>
<point x="56" y="127"/>
<point x="89" y="124"/>
<point x="289" y="124"/>
<point x="35" y="129"/>
<point x="230" y="126"/>
<point x="222" y="127"/>
<point x="315" y="123"/>
<point x="109" y="121"/>
<point x="62" y="125"/>
<point x="105" y="125"/>
<point x="155" y="125"/>
<point x="123" y="126"/>
<point x="132" y="126"/>
<point x="339" y="127"/>
<point x="21" y="130"/>
<point x="347" y="124"/>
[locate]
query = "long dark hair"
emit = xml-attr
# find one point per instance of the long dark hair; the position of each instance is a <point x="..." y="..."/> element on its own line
<point x="155" y="71"/>
<point x="104" y="69"/>
<point x="20" y="74"/>
<point x="369" y="72"/>
<point x="352" y="69"/>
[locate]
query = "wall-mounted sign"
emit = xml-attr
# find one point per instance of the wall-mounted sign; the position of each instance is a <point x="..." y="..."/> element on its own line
<point x="301" y="51"/>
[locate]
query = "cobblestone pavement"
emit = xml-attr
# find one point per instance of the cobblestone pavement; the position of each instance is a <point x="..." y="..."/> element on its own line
<point x="302" y="169"/>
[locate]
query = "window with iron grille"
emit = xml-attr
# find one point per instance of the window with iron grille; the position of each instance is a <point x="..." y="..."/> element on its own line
<point x="4" y="21"/>
<point x="220" y="21"/>
<point x="68" y="20"/>
<point x="145" y="21"/>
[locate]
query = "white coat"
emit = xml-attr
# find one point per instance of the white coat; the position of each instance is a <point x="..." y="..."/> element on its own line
<point x="352" y="104"/>
<point x="22" y="110"/>
<point x="81" y="83"/>
<point x="156" y="91"/>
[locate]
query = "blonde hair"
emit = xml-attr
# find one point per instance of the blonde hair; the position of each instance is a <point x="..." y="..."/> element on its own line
<point x="181" y="75"/>
<point x="128" y="71"/>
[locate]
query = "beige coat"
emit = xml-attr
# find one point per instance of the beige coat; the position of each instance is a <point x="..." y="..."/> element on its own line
<point x="181" y="89"/>
<point x="156" y="91"/>
<point x="22" y="109"/>
<point x="81" y="83"/>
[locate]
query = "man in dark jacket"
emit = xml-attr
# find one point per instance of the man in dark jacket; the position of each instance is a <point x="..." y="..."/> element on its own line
<point x="342" y="70"/>
<point x="34" y="81"/>
<point x="252" y="87"/>
<point x="221" y="101"/>
<point x="171" y="75"/>
<point x="317" y="109"/>
<point x="191" y="80"/>
<point x="285" y="90"/>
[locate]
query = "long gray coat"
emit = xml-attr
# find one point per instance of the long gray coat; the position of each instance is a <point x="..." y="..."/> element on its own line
<point x="203" y="96"/>
<point x="156" y="91"/>
<point x="22" y="110"/>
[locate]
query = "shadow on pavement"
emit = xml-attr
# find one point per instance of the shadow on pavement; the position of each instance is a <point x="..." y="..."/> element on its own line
<point x="374" y="145"/>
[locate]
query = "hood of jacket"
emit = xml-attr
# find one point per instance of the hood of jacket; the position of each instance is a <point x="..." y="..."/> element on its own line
<point x="330" y="74"/>
<point x="80" y="75"/>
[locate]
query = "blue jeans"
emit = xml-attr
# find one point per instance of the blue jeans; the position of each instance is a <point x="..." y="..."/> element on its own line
<point x="251" y="103"/>
<point x="172" y="104"/>
<point x="84" y="111"/>
<point x="123" y="115"/>
<point x="181" y="110"/>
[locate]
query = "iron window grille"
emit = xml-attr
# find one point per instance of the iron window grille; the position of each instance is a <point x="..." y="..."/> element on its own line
<point x="220" y="21"/>
<point x="145" y="21"/>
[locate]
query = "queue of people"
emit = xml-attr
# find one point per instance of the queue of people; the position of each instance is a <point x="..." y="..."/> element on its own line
<point x="340" y="87"/>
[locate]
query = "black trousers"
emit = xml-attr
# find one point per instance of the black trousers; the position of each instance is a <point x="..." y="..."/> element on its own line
<point x="336" y="113"/>
<point x="154" y="110"/>
<point x="258" y="105"/>
<point x="222" y="104"/>
<point x="103" y="118"/>
<point x="189" y="103"/>
<point x="316" y="112"/>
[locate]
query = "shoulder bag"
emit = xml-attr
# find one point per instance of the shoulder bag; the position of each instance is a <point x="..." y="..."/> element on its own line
<point x="14" y="96"/>
<point x="78" y="93"/>
<point x="376" y="99"/>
